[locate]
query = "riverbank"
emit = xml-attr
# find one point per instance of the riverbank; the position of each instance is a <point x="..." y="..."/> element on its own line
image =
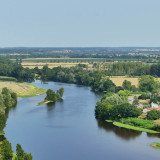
<point x="44" y="102"/>
<point x="23" y="89"/>
<point x="118" y="124"/>
<point x="2" y="133"/>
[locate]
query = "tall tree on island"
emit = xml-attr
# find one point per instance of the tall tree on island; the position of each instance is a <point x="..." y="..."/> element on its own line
<point x="59" y="93"/>
<point x="51" y="96"/>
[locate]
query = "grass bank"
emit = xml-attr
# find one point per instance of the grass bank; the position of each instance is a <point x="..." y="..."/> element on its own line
<point x="133" y="127"/>
<point x="43" y="102"/>
<point x="23" y="89"/>
<point x="118" y="124"/>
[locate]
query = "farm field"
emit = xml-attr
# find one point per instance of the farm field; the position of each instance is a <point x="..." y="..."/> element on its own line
<point x="119" y="80"/>
<point x="50" y="65"/>
<point x="22" y="89"/>
<point x="55" y="62"/>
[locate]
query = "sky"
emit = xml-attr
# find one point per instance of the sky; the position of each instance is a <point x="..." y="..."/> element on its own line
<point x="79" y="23"/>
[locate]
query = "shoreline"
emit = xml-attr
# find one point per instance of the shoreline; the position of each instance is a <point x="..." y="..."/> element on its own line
<point x="44" y="102"/>
<point x="118" y="124"/>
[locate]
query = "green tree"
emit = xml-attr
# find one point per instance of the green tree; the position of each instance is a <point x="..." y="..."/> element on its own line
<point x="6" y="150"/>
<point x="20" y="152"/>
<point x="124" y="111"/>
<point x="108" y="85"/>
<point x="21" y="155"/>
<point x="133" y="88"/>
<point x="115" y="99"/>
<point x="28" y="156"/>
<point x="148" y="83"/>
<point x="124" y="93"/>
<point x="51" y="96"/>
<point x="153" y="115"/>
<point x="102" y="110"/>
<point x="126" y="85"/>
<point x="59" y="93"/>
<point x="3" y="120"/>
<point x="14" y="96"/>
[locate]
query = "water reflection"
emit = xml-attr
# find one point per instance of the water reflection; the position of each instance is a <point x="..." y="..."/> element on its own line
<point x="8" y="109"/>
<point x="50" y="106"/>
<point x="123" y="133"/>
<point x="151" y="135"/>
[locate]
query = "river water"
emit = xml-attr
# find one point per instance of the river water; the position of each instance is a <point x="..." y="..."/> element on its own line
<point x="68" y="129"/>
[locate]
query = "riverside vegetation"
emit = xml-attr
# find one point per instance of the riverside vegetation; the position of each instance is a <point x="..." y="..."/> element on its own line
<point x="116" y="108"/>
<point x="8" y="99"/>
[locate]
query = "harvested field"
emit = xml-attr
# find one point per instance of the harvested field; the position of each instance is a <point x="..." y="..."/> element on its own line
<point x="51" y="65"/>
<point x="119" y="80"/>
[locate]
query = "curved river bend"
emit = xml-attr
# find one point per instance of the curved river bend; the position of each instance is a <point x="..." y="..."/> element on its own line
<point x="68" y="129"/>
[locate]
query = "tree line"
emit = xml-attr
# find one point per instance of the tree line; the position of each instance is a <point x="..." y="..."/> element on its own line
<point x="11" y="69"/>
<point x="80" y="74"/>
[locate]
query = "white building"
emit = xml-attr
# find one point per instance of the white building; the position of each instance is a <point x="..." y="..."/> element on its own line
<point x="154" y="105"/>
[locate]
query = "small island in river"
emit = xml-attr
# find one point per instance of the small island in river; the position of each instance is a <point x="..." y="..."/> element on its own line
<point x="52" y="96"/>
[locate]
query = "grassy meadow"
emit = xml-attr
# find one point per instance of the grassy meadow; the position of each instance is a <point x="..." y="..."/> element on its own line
<point x="22" y="89"/>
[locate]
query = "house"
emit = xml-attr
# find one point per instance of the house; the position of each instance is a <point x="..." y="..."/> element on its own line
<point x="147" y="100"/>
<point x="150" y="109"/>
<point x="154" y="105"/>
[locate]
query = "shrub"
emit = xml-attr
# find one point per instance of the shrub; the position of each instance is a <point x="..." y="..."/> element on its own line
<point x="148" y="124"/>
<point x="153" y="115"/>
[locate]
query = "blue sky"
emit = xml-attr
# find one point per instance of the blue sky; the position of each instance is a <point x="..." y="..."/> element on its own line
<point x="79" y="23"/>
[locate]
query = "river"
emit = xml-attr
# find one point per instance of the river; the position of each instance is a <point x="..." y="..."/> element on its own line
<point x="68" y="129"/>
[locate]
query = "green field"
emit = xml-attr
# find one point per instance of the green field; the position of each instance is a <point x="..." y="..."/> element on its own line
<point x="118" y="124"/>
